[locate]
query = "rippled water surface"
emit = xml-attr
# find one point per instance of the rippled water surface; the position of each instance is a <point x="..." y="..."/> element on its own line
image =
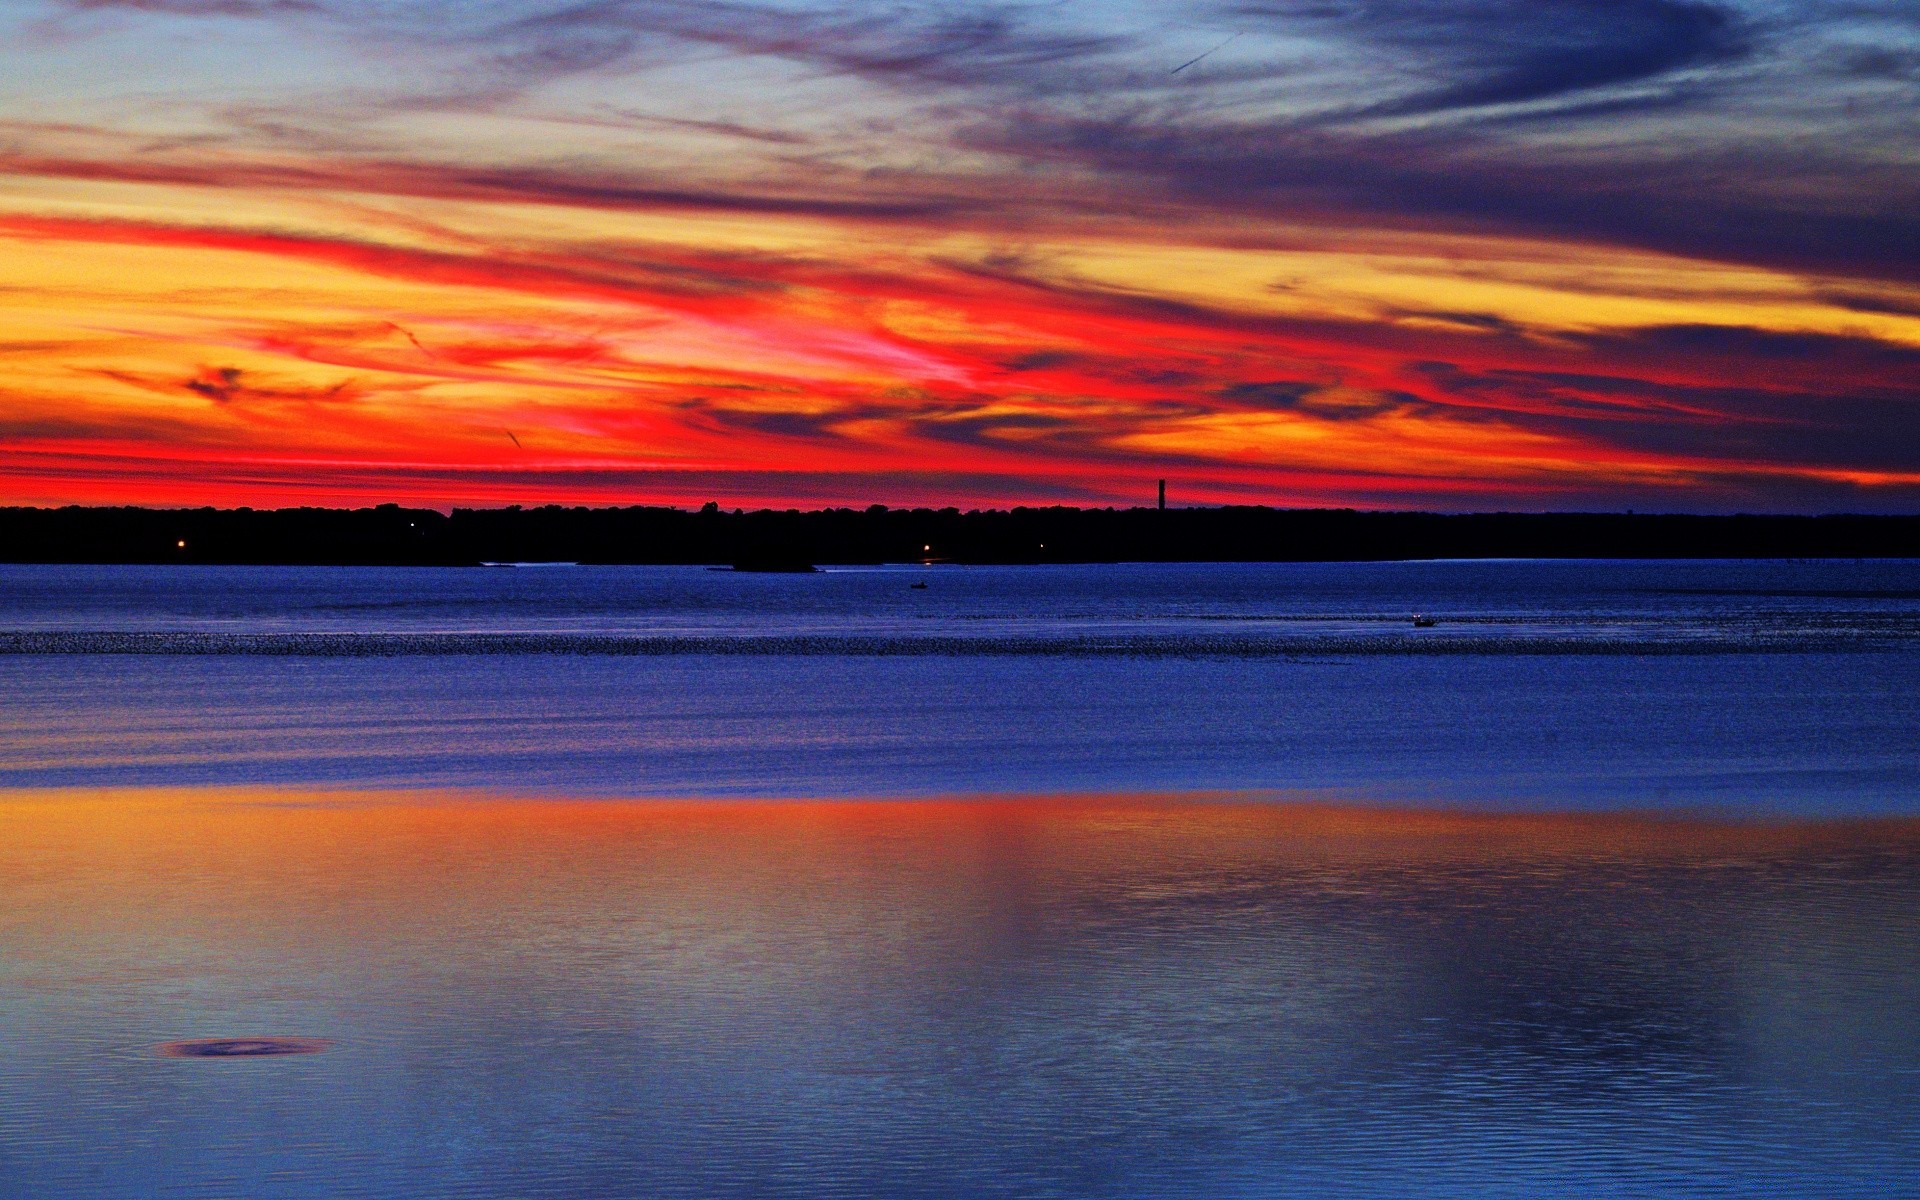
<point x="1788" y="687"/>
<point x="1537" y="605"/>
<point x="486" y="883"/>
<point x="1104" y="997"/>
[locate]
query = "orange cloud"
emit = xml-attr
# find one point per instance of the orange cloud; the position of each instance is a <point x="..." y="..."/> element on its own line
<point x="464" y="351"/>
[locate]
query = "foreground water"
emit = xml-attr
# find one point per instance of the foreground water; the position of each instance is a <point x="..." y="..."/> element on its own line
<point x="1607" y="884"/>
<point x="1101" y="997"/>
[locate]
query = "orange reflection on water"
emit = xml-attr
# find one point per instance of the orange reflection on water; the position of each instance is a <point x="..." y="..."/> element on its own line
<point x="340" y="864"/>
<point x="717" y="990"/>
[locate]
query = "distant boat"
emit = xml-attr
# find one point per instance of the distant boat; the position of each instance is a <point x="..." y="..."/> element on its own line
<point x="918" y="587"/>
<point x="529" y="564"/>
<point x="1422" y="621"/>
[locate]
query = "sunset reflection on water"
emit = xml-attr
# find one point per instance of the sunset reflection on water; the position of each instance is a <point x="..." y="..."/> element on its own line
<point x="1131" y="995"/>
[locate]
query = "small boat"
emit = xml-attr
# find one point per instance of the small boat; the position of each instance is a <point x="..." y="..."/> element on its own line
<point x="1422" y="621"/>
<point x="918" y="587"/>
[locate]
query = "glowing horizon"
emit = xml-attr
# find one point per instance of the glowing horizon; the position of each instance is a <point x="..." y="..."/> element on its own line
<point x="1656" y="254"/>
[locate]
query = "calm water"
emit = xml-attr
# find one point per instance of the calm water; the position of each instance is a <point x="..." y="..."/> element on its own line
<point x="1776" y="686"/>
<point x="1606" y="885"/>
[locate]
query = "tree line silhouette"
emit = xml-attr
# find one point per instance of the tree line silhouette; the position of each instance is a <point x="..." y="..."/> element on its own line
<point x="792" y="538"/>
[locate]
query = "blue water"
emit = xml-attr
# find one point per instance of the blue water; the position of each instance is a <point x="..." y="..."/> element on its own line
<point x="1777" y="687"/>
<point x="1605" y="885"/>
<point x="1542" y="605"/>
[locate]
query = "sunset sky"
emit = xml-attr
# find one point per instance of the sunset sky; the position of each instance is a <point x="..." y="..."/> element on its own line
<point x="1405" y="253"/>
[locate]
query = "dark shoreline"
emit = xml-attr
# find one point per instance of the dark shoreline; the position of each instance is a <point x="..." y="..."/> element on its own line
<point x="393" y="536"/>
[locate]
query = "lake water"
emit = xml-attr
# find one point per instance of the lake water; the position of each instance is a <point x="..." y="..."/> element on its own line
<point x="1124" y="881"/>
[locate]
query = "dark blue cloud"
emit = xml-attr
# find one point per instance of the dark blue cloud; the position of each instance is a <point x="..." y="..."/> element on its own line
<point x="1315" y="399"/>
<point x="1828" y="354"/>
<point x="1492" y="52"/>
<point x="1881" y="63"/>
<point x="949" y="45"/>
<point x="1812" y="401"/>
<point x="1836" y="215"/>
<point x="1722" y="129"/>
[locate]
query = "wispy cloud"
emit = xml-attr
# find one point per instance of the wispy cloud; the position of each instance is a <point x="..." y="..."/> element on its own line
<point x="1359" y="250"/>
<point x="198" y="8"/>
<point x="1465" y="54"/>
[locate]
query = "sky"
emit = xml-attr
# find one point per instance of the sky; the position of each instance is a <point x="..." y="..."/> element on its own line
<point x="1451" y="254"/>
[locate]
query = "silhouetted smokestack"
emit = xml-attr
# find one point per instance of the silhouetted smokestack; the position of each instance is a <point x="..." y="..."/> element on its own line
<point x="1163" y="495"/>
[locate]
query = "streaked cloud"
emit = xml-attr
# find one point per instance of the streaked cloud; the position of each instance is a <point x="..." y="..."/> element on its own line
<point x="1471" y="54"/>
<point x="1645" y="252"/>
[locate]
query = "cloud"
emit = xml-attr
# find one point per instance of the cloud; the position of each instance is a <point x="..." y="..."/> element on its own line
<point x="1025" y="252"/>
<point x="1796" y="402"/>
<point x="965" y="44"/>
<point x="1703" y="128"/>
<point x="467" y="55"/>
<point x="1766" y="356"/>
<point x="1317" y="399"/>
<point x="1870" y="300"/>
<point x="578" y="186"/>
<point x="1880" y="63"/>
<point x="622" y="119"/>
<point x="948" y="45"/>
<point x="1494" y="52"/>
<point x="1727" y="206"/>
<point x="233" y="385"/>
<point x="199" y="8"/>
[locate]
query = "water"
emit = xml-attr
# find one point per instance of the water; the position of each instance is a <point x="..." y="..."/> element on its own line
<point x="1751" y="686"/>
<point x="1138" y="609"/>
<point x="1037" y="998"/>
<point x="1607" y="885"/>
